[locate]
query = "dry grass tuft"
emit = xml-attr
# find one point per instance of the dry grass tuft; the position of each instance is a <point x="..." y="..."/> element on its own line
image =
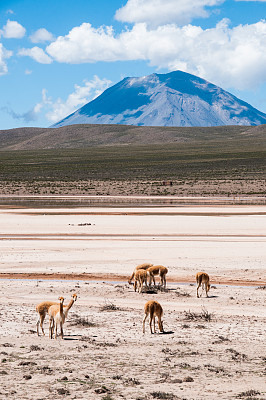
<point x="262" y="287"/>
<point x="249" y="393"/>
<point x="109" y="306"/>
<point x="203" y="315"/>
<point x="163" y="395"/>
<point x="83" y="321"/>
<point x="236" y="356"/>
<point x="182" y="293"/>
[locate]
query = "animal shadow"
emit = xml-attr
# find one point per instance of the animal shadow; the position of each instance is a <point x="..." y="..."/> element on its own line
<point x="72" y="337"/>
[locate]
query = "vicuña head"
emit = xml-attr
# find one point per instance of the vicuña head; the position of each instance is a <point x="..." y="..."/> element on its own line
<point x="74" y="296"/>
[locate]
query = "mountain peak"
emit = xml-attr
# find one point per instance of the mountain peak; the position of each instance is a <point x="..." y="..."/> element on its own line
<point x="173" y="99"/>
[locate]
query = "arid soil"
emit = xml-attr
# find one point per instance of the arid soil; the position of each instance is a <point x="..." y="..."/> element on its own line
<point x="188" y="187"/>
<point x="212" y="348"/>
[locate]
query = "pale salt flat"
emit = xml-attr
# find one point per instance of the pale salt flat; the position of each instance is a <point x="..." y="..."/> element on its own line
<point x="224" y="241"/>
<point x="113" y="352"/>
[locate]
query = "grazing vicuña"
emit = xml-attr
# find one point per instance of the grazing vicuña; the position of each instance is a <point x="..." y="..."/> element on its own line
<point x="140" y="266"/>
<point x="154" y="309"/>
<point x="140" y="278"/>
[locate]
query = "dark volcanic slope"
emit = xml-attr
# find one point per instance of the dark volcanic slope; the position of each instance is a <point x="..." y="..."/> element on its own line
<point x="80" y="136"/>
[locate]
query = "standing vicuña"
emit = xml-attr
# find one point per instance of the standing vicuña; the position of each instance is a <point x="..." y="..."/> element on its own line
<point x="58" y="315"/>
<point x="203" y="280"/>
<point x="138" y="267"/>
<point x="43" y="308"/>
<point x="157" y="270"/>
<point x="140" y="278"/>
<point x="154" y="309"/>
<point x="53" y="311"/>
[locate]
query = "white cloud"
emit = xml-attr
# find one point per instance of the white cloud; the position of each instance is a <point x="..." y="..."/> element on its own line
<point x="37" y="54"/>
<point x="32" y="114"/>
<point x="158" y="12"/>
<point x="81" y="95"/>
<point x="86" y="44"/>
<point x="230" y="57"/>
<point x="13" y="30"/>
<point x="4" y="54"/>
<point x="28" y="72"/>
<point x="41" y="35"/>
<point x="58" y="109"/>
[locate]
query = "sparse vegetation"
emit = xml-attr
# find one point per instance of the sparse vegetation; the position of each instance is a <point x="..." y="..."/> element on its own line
<point x="163" y="395"/>
<point x="63" y="391"/>
<point x="83" y="321"/>
<point x="169" y="351"/>
<point x="188" y="379"/>
<point x="215" y="369"/>
<point x="182" y="293"/>
<point x="236" y="356"/>
<point x="117" y="377"/>
<point x="107" y="397"/>
<point x="248" y="393"/>
<point x="198" y="165"/>
<point x="221" y="339"/>
<point x="109" y="306"/>
<point x="203" y="315"/>
<point x="132" y="381"/>
<point x="35" y="348"/>
<point x="102" y="389"/>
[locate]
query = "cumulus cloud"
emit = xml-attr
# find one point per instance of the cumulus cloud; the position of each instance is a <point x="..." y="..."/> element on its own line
<point x="230" y="57"/>
<point x="13" y="30"/>
<point x="54" y="110"/>
<point x="37" y="54"/>
<point x="4" y="54"/>
<point x="81" y="95"/>
<point x="32" y="114"/>
<point x="86" y="44"/>
<point x="41" y="35"/>
<point x="158" y="12"/>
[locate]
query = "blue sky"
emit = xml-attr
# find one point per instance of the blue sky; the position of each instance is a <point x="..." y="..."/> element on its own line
<point x="55" y="56"/>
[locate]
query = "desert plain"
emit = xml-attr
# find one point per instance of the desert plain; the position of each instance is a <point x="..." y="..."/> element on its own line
<point x="212" y="348"/>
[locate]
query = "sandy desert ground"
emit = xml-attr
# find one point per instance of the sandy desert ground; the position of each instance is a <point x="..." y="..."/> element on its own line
<point x="212" y="348"/>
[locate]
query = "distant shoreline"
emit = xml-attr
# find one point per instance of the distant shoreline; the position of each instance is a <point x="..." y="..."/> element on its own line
<point x="14" y="201"/>
<point x="121" y="278"/>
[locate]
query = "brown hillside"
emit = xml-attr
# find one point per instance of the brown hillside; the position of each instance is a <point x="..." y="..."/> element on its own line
<point x="80" y="136"/>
